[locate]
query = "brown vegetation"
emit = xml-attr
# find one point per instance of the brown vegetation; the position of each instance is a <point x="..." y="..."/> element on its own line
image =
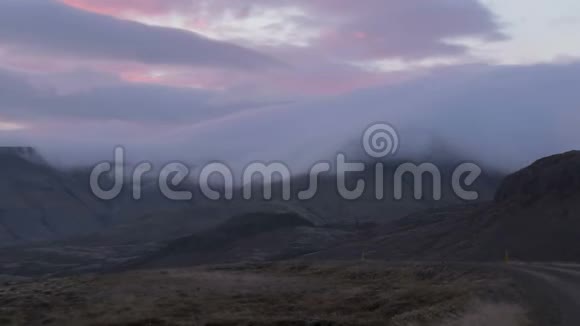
<point x="293" y="293"/>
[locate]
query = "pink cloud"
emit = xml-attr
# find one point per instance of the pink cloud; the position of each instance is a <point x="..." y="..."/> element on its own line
<point x="319" y="80"/>
<point x="407" y="29"/>
<point x="120" y="7"/>
<point x="349" y="30"/>
<point x="378" y="29"/>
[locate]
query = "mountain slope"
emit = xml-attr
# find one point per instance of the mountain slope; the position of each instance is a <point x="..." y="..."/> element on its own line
<point x="254" y="236"/>
<point x="38" y="203"/>
<point x="535" y="217"/>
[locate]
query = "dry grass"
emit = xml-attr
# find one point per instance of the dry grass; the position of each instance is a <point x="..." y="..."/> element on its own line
<point x="275" y="294"/>
<point x="496" y="314"/>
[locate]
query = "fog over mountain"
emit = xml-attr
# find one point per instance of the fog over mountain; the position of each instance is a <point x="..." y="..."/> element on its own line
<point x="500" y="116"/>
<point x="217" y="85"/>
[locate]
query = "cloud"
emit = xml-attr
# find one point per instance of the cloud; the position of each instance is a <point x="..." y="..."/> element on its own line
<point x="500" y="115"/>
<point x="297" y="83"/>
<point x="116" y="101"/>
<point x="503" y="117"/>
<point x="143" y="7"/>
<point x="345" y="29"/>
<point x="47" y="27"/>
<point x="412" y="29"/>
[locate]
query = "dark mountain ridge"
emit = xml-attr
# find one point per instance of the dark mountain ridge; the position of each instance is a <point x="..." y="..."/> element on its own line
<point x="535" y="217"/>
<point x="51" y="204"/>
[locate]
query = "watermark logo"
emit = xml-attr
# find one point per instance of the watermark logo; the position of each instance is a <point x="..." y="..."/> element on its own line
<point x="379" y="141"/>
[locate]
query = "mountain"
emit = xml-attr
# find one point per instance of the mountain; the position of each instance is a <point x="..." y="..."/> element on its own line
<point x="42" y="203"/>
<point x="294" y="228"/>
<point x="535" y="217"/>
<point x="553" y="178"/>
<point x="540" y="210"/>
<point x="38" y="202"/>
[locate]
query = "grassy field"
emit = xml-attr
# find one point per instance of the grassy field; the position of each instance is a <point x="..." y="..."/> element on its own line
<point x="289" y="293"/>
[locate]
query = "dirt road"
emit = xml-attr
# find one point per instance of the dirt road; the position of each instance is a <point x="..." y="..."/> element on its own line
<point x="554" y="290"/>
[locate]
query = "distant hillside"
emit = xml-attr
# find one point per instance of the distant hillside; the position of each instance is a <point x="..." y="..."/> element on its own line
<point x="43" y="203"/>
<point x="249" y="237"/>
<point x="535" y="217"/>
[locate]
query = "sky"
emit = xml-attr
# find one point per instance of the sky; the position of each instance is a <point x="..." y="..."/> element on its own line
<point x="288" y="80"/>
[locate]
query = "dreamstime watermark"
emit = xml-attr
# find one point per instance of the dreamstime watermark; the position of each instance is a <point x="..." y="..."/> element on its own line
<point x="379" y="141"/>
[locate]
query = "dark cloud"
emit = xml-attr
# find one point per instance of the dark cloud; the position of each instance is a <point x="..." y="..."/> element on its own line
<point x="144" y="103"/>
<point x="47" y="27"/>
